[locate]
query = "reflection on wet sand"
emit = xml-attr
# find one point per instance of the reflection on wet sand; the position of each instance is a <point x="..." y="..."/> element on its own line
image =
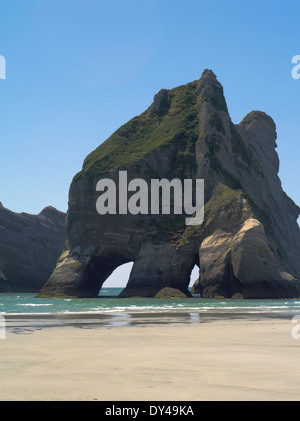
<point x="30" y="323"/>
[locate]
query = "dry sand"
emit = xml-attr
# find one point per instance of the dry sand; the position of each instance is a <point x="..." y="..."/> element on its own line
<point x="230" y="360"/>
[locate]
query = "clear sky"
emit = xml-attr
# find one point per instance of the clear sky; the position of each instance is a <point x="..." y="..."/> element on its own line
<point x="78" y="69"/>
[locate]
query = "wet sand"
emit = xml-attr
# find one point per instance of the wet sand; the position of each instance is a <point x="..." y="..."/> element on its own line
<point x="178" y="357"/>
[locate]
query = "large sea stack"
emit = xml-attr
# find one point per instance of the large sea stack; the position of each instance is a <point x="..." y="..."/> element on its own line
<point x="29" y="248"/>
<point x="249" y="242"/>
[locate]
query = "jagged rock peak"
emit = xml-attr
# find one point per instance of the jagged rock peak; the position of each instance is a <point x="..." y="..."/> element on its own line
<point x="207" y="73"/>
<point x="161" y="101"/>
<point x="210" y="89"/>
<point x="49" y="211"/>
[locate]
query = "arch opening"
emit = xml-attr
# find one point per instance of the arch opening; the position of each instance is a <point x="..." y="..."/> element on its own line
<point x="193" y="278"/>
<point x="98" y="271"/>
<point x="118" y="280"/>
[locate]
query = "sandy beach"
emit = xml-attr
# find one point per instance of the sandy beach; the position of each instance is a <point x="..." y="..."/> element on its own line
<point x="236" y="359"/>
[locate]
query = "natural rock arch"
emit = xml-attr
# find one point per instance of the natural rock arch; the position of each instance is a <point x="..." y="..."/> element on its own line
<point x="249" y="242"/>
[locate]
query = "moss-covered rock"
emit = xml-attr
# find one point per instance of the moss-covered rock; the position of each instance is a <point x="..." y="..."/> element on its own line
<point x="170" y="293"/>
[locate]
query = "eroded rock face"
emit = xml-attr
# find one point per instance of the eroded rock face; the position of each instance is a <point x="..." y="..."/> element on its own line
<point x="29" y="248"/>
<point x="242" y="263"/>
<point x="248" y="243"/>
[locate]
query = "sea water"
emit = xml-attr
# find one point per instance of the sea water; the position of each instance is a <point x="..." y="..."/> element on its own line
<point x="109" y="303"/>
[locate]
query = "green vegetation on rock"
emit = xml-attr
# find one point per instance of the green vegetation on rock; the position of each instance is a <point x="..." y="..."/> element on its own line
<point x="148" y="132"/>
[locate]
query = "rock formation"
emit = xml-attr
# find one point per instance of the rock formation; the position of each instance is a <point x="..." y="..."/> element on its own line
<point x="29" y="248"/>
<point x="168" y="292"/>
<point x="249" y="243"/>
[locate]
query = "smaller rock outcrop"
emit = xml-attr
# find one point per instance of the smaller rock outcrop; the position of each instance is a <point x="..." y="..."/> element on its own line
<point x="29" y="248"/>
<point x="161" y="102"/>
<point x="168" y="292"/>
<point x="238" y="296"/>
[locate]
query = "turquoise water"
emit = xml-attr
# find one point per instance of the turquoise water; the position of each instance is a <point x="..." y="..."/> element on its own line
<point x="108" y="303"/>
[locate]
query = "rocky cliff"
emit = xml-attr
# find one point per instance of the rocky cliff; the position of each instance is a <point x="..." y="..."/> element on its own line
<point x="249" y="242"/>
<point x="29" y="248"/>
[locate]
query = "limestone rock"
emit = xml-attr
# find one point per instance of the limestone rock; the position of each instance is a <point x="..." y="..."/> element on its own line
<point x="237" y="296"/>
<point x="29" y="248"/>
<point x="170" y="293"/>
<point x="4" y="287"/>
<point x="249" y="242"/>
<point x="161" y="103"/>
<point x="195" y="287"/>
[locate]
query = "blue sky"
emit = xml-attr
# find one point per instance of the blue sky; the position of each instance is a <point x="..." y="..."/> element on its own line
<point x="78" y="69"/>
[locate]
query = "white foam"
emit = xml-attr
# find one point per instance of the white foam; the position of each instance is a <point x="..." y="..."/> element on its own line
<point x="34" y="305"/>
